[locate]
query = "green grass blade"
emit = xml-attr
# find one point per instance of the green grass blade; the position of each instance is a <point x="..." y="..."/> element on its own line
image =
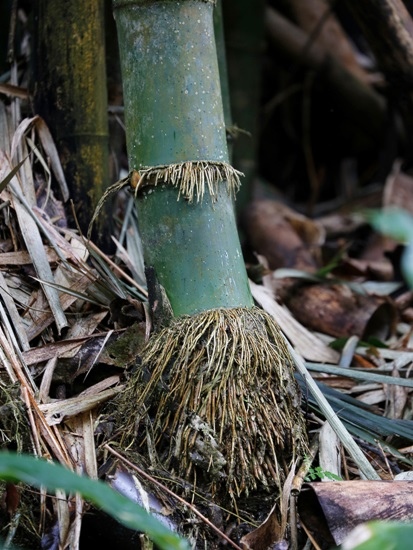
<point x="360" y="374"/>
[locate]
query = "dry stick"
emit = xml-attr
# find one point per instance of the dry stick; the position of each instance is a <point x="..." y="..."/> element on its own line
<point x="296" y="488"/>
<point x="51" y="436"/>
<point x="174" y="495"/>
<point x="310" y="536"/>
<point x="20" y="370"/>
<point x="35" y="434"/>
<point x="305" y="466"/>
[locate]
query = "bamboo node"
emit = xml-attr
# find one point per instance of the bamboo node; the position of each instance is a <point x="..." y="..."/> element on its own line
<point x="192" y="178"/>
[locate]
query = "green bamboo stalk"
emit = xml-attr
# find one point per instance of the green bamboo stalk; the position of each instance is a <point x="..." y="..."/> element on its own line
<point x="169" y="62"/>
<point x="208" y="418"/>
<point x="175" y="232"/>
<point x="70" y="94"/>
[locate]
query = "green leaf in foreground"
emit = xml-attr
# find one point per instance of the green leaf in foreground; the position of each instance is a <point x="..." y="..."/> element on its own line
<point x="38" y="472"/>
<point x="397" y="224"/>
<point x="380" y="535"/>
<point x="393" y="222"/>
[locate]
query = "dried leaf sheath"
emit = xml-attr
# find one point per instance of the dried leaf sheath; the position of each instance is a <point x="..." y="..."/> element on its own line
<point x="226" y="403"/>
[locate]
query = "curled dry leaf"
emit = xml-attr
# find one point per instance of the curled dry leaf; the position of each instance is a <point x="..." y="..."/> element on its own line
<point x="285" y="237"/>
<point x="331" y="510"/>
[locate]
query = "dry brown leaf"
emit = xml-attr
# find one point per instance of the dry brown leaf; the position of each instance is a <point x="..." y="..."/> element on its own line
<point x="23" y="197"/>
<point x="285" y="237"/>
<point x="273" y="529"/>
<point x="47" y="380"/>
<point x="85" y="325"/>
<point x="78" y="434"/>
<point x="49" y="147"/>
<point x="39" y="316"/>
<point x="339" y="311"/>
<point x="16" y="327"/>
<point x="306" y="342"/>
<point x="54" y="350"/>
<point x="21" y="257"/>
<point x="396" y="399"/>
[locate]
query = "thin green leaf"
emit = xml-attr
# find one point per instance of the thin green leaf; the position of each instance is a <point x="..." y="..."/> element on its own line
<point x="374" y="342"/>
<point x="334" y="262"/>
<point x="378" y="443"/>
<point x="356" y="412"/>
<point x="40" y="473"/>
<point x="339" y="343"/>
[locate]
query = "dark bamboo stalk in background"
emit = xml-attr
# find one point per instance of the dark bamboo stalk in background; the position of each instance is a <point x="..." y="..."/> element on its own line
<point x="70" y="93"/>
<point x="5" y="14"/>
<point x="117" y="139"/>
<point x="244" y="34"/>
